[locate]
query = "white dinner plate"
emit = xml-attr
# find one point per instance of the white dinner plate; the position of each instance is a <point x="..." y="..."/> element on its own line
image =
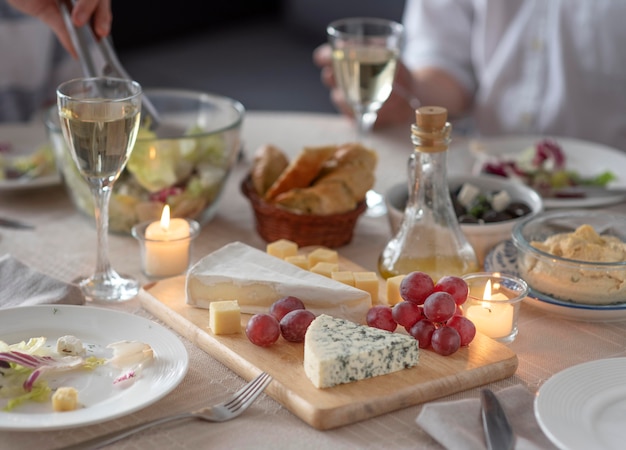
<point x="587" y="158"/>
<point x="22" y="140"/>
<point x="503" y="258"/>
<point x="584" y="406"/>
<point x="96" y="328"/>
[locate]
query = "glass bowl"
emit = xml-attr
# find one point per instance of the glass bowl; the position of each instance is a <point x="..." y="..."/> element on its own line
<point x="567" y="272"/>
<point x="185" y="163"/>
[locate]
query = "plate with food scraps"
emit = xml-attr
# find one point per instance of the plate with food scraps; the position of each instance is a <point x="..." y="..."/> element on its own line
<point x="99" y="398"/>
<point x="568" y="173"/>
<point x="503" y="258"/>
<point x="26" y="158"/>
<point x="583" y="406"/>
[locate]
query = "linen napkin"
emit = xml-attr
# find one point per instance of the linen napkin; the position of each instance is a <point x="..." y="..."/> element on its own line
<point x="21" y="285"/>
<point x="458" y="424"/>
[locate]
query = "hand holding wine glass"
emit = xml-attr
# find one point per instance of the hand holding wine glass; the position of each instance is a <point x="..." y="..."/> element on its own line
<point x="100" y="120"/>
<point x="365" y="53"/>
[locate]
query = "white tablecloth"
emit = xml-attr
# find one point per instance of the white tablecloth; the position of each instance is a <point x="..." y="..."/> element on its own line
<point x="63" y="246"/>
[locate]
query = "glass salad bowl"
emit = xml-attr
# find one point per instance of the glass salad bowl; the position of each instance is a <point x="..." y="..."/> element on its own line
<point x="184" y="162"/>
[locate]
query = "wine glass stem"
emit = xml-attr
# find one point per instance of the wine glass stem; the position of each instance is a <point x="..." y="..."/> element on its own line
<point x="365" y="121"/>
<point x="101" y="198"/>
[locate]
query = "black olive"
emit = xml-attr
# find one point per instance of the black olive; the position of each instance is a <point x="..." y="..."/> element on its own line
<point x="466" y="218"/>
<point x="495" y="216"/>
<point x="518" y="209"/>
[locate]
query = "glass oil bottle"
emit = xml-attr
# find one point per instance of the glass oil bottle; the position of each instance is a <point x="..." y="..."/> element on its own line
<point x="429" y="239"/>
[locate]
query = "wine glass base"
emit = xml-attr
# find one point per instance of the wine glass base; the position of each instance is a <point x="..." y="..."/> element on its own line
<point x="375" y="204"/>
<point x="109" y="288"/>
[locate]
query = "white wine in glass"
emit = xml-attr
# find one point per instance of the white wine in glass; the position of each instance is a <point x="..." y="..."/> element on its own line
<point x="365" y="55"/>
<point x="100" y="119"/>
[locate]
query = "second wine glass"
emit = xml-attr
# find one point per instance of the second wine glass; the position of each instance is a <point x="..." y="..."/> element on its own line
<point x="365" y="54"/>
<point x="100" y="119"/>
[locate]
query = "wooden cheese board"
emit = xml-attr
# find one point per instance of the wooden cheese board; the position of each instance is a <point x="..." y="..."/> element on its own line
<point x="435" y="376"/>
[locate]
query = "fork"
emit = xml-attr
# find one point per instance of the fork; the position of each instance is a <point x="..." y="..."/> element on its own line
<point x="229" y="409"/>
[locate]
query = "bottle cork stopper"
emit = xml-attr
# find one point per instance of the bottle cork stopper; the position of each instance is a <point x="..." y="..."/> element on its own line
<point x="431" y="118"/>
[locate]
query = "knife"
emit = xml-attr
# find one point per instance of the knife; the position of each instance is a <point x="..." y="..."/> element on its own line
<point x="498" y="432"/>
<point x="9" y="223"/>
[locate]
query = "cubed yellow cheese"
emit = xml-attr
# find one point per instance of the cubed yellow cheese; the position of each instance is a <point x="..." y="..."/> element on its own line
<point x="65" y="399"/>
<point x="325" y="268"/>
<point x="282" y="248"/>
<point x="343" y="276"/>
<point x="367" y="281"/>
<point x="323" y="254"/>
<point x="225" y="317"/>
<point x="393" y="289"/>
<point x="298" y="260"/>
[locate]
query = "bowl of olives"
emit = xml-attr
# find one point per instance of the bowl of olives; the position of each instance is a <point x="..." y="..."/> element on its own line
<point x="487" y="206"/>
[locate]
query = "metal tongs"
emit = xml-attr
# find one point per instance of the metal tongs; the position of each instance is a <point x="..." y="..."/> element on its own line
<point x="81" y="36"/>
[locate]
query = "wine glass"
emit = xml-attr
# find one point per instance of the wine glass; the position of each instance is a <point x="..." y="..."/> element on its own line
<point x="365" y="52"/>
<point x="100" y="120"/>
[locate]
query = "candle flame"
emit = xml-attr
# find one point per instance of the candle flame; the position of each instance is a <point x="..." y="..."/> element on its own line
<point x="165" y="218"/>
<point x="152" y="153"/>
<point x="487" y="294"/>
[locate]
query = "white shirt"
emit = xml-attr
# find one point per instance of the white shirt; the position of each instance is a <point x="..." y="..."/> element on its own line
<point x="548" y="67"/>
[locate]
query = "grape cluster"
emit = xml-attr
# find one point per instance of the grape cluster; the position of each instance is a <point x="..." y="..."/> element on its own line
<point x="287" y="317"/>
<point x="430" y="312"/>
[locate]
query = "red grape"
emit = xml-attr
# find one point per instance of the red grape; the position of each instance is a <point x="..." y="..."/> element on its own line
<point x="465" y="327"/>
<point x="455" y="286"/>
<point x="445" y="340"/>
<point x="406" y="313"/>
<point x="416" y="286"/>
<point x="380" y="316"/>
<point x="423" y="331"/>
<point x="294" y="324"/>
<point x="284" y="305"/>
<point x="439" y="306"/>
<point x="263" y="330"/>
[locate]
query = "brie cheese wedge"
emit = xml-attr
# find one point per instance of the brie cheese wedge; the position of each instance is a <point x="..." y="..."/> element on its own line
<point x="256" y="280"/>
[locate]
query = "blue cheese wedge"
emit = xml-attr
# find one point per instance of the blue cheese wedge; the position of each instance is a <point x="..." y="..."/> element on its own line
<point x="338" y="351"/>
<point x="256" y="280"/>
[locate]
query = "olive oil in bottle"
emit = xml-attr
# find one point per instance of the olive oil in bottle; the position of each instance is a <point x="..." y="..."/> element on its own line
<point x="429" y="239"/>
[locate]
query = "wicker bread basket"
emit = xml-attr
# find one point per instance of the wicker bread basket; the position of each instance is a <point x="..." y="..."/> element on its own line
<point x="273" y="223"/>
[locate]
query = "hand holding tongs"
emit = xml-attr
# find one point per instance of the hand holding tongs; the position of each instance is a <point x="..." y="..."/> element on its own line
<point x="112" y="66"/>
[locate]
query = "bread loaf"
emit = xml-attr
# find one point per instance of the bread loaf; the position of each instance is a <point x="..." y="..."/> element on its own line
<point x="320" y="180"/>
<point x="269" y="163"/>
<point x="301" y="171"/>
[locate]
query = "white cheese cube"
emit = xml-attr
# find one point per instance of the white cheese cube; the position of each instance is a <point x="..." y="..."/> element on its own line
<point x="69" y="345"/>
<point x="467" y="194"/>
<point x="500" y="201"/>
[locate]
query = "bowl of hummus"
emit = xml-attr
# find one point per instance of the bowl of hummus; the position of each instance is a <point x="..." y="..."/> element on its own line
<point x="576" y="256"/>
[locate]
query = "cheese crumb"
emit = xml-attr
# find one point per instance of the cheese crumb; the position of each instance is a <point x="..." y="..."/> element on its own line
<point x="393" y="289"/>
<point x="325" y="268"/>
<point x="323" y="254"/>
<point x="65" y="399"/>
<point x="225" y="317"/>
<point x="70" y="345"/>
<point x="343" y="276"/>
<point x="282" y="248"/>
<point x="367" y="281"/>
<point x="298" y="260"/>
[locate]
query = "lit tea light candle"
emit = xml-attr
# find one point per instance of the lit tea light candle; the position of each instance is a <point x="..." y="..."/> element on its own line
<point x="493" y="316"/>
<point x="166" y="250"/>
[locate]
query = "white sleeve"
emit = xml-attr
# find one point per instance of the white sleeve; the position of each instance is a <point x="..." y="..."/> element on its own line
<point x="439" y="34"/>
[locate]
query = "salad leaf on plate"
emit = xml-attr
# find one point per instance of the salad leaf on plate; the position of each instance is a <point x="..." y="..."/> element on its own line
<point x="544" y="168"/>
